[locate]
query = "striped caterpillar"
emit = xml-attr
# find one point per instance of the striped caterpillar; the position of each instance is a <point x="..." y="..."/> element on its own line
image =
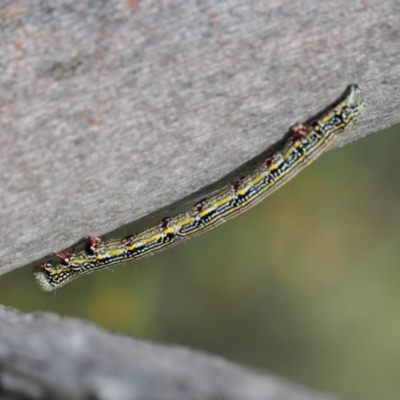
<point x="304" y="144"/>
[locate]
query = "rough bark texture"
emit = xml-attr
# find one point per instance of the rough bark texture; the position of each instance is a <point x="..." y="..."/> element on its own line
<point x="111" y="110"/>
<point x="46" y="357"/>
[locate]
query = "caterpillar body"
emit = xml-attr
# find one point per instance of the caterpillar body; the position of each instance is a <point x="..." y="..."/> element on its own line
<point x="304" y="144"/>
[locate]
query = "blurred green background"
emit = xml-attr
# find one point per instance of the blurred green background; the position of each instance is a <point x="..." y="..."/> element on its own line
<point x="306" y="285"/>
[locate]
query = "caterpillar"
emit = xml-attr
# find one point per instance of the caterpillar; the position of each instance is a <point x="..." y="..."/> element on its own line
<point x="303" y="145"/>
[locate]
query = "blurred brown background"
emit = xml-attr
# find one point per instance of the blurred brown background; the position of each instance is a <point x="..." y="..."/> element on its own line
<point x="306" y="285"/>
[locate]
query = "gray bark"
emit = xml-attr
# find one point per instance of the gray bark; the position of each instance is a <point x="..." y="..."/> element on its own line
<point x="112" y="110"/>
<point x="46" y="357"/>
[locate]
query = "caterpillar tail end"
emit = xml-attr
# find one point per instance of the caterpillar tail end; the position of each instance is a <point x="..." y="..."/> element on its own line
<point x="354" y="98"/>
<point x="41" y="277"/>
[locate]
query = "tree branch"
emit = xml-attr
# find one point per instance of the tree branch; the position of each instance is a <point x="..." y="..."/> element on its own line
<point x="46" y="357"/>
<point x="111" y="110"/>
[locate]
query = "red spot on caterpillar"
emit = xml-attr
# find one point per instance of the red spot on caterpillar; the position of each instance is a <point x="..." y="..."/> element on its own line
<point x="93" y="242"/>
<point x="299" y="133"/>
<point x="63" y="256"/>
